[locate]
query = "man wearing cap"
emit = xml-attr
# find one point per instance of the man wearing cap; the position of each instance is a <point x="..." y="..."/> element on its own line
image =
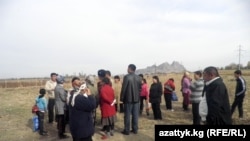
<point x="60" y="106"/>
<point x="50" y="87"/>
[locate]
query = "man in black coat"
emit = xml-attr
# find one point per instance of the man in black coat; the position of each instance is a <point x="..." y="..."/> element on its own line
<point x="130" y="96"/>
<point x="217" y="98"/>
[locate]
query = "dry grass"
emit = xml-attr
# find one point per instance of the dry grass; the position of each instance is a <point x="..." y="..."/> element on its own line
<point x="16" y="124"/>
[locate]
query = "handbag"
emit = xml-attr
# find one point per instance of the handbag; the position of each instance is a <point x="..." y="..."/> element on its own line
<point x="174" y="97"/>
<point x="34" y="109"/>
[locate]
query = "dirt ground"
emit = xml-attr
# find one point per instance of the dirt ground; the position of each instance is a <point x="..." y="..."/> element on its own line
<point x="16" y="116"/>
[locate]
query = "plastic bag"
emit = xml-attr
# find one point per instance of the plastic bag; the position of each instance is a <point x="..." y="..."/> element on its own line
<point x="174" y="97"/>
<point x="35" y="123"/>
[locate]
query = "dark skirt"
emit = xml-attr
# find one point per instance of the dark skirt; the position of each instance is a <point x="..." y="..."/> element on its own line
<point x="109" y="120"/>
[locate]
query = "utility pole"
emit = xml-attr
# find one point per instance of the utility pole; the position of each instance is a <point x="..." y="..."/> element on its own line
<point x="240" y="55"/>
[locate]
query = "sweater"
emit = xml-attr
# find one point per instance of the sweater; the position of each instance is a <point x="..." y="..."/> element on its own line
<point x="144" y="90"/>
<point x="50" y="86"/>
<point x="196" y="88"/>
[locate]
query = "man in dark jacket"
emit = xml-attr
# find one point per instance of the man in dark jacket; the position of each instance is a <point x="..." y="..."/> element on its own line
<point x="239" y="93"/>
<point x="218" y="106"/>
<point x="130" y="96"/>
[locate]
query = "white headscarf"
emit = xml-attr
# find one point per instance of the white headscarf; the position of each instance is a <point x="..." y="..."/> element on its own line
<point x="82" y="87"/>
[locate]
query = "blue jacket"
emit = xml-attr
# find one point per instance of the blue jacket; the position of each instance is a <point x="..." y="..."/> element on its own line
<point x="41" y="104"/>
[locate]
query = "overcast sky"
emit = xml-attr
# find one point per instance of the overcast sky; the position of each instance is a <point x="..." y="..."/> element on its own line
<point x="38" y="37"/>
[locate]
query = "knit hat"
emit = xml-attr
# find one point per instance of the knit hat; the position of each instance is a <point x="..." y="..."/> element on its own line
<point x="60" y="79"/>
<point x="101" y="73"/>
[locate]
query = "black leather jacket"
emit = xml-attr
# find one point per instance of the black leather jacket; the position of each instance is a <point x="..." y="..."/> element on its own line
<point x="131" y="87"/>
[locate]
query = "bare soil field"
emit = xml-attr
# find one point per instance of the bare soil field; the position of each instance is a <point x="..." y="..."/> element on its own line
<point x="16" y="116"/>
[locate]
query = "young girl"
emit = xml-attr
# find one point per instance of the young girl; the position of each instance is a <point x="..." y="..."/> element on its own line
<point x="107" y="105"/>
<point x="42" y="105"/>
<point x="144" y="95"/>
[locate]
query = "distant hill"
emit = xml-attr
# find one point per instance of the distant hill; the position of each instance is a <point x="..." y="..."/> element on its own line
<point x="175" y="67"/>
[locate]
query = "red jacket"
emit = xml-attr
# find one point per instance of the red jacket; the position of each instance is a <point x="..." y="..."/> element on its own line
<point x="169" y="87"/>
<point x="144" y="90"/>
<point x="107" y="96"/>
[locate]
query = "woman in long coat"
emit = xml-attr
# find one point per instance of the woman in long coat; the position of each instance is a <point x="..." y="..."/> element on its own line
<point x="107" y="105"/>
<point x="155" y="94"/>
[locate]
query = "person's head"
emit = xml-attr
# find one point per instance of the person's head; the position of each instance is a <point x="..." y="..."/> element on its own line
<point x="171" y="79"/>
<point x="76" y="82"/>
<point x="53" y="76"/>
<point x="156" y="79"/>
<point x="42" y="92"/>
<point x="197" y="75"/>
<point x="90" y="79"/>
<point x="237" y="73"/>
<point x="101" y="73"/>
<point x="131" y="68"/>
<point x="141" y="75"/>
<point x="106" y="80"/>
<point x="186" y="74"/>
<point x="144" y="81"/>
<point x="60" y="79"/>
<point x="116" y="78"/>
<point x="210" y="73"/>
<point x="108" y="74"/>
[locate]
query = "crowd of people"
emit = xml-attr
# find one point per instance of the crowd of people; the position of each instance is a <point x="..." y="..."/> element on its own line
<point x="77" y="107"/>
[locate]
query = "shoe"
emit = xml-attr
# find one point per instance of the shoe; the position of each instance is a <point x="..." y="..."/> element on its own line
<point x="104" y="137"/>
<point x="43" y="134"/>
<point x="111" y="133"/>
<point x="125" y="133"/>
<point x="103" y="128"/>
<point x="63" y="137"/>
<point x="172" y="110"/>
<point x="133" y="131"/>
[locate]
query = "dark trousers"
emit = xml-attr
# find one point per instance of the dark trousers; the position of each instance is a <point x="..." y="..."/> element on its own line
<point x="168" y="100"/>
<point x="83" y="139"/>
<point x="156" y="110"/>
<point x="51" y="107"/>
<point x="41" y="121"/>
<point x="185" y="103"/>
<point x="131" y="108"/>
<point x="121" y="110"/>
<point x="61" y="125"/>
<point x="238" y="101"/>
<point x="109" y="127"/>
<point x="196" y="115"/>
<point x="142" y="98"/>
